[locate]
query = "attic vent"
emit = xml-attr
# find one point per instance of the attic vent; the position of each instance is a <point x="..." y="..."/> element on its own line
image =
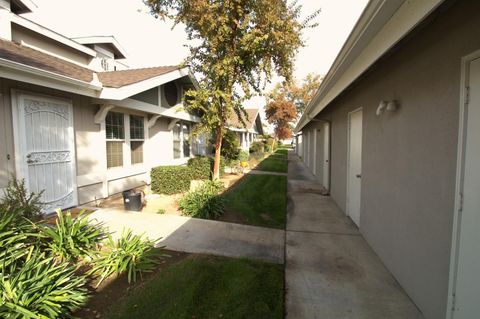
<point x="170" y="91"/>
<point x="105" y="65"/>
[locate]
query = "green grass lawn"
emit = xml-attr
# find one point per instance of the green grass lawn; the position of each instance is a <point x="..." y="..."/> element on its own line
<point x="207" y="287"/>
<point x="260" y="200"/>
<point x="273" y="163"/>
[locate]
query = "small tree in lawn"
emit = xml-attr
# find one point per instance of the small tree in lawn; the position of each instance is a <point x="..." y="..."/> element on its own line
<point x="237" y="47"/>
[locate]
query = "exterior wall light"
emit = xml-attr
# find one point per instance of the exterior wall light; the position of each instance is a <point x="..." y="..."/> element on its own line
<point x="381" y="108"/>
<point x="390" y="106"/>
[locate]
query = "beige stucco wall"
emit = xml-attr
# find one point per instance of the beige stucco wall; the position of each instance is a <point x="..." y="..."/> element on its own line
<point x="89" y="145"/>
<point x="409" y="157"/>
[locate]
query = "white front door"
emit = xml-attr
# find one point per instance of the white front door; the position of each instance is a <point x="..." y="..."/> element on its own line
<point x="45" y="149"/>
<point x="326" y="156"/>
<point x="467" y="285"/>
<point x="354" y="169"/>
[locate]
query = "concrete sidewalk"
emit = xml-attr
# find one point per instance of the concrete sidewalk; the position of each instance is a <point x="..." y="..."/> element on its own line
<point x="199" y="236"/>
<point x="330" y="270"/>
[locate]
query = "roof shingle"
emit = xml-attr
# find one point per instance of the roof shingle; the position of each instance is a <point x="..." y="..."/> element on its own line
<point x="235" y="122"/>
<point x="118" y="79"/>
<point x="31" y="57"/>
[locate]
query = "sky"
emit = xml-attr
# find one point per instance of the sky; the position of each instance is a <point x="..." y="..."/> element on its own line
<point x="151" y="42"/>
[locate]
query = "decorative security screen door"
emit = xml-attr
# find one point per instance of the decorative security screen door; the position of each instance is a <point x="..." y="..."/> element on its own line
<point x="46" y="149"/>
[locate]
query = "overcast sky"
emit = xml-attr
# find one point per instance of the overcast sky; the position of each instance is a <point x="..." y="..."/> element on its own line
<point x="151" y="42"/>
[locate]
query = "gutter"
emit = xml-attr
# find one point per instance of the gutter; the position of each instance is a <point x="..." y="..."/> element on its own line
<point x="95" y="84"/>
<point x="380" y="27"/>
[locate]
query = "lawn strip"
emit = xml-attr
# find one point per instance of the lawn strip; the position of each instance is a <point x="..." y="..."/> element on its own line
<point x="260" y="200"/>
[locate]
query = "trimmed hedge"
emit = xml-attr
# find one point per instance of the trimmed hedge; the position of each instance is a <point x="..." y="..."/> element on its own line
<point x="200" y="167"/>
<point x="176" y="179"/>
<point x="171" y="179"/>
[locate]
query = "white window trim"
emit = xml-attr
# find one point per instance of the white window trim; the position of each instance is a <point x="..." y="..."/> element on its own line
<point x="127" y="169"/>
<point x="182" y="157"/>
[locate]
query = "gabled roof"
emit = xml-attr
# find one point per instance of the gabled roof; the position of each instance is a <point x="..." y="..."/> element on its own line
<point x="380" y="27"/>
<point x="109" y="40"/>
<point x="234" y="121"/>
<point x="53" y="35"/>
<point x="116" y="85"/>
<point x="22" y="6"/>
<point x="27" y="56"/>
<point x="117" y="79"/>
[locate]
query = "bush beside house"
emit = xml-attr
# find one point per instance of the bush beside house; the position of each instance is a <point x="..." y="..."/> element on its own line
<point x="42" y="273"/>
<point x="176" y="179"/>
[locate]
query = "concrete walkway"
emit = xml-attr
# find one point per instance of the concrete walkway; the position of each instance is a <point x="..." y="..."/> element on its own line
<point x="199" y="236"/>
<point x="330" y="271"/>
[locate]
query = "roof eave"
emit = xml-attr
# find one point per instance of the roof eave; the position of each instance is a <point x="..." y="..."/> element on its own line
<point x="370" y="39"/>
<point x="126" y="91"/>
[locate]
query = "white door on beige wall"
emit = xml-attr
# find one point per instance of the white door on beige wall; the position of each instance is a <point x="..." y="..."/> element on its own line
<point x="326" y="156"/>
<point x="467" y="284"/>
<point x="45" y="151"/>
<point x="354" y="169"/>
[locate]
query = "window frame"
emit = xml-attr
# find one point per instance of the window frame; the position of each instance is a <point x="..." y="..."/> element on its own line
<point x="126" y="142"/>
<point x="136" y="139"/>
<point x="115" y="140"/>
<point x="182" y="141"/>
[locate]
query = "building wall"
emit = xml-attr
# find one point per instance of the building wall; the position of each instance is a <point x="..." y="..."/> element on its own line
<point x="42" y="43"/>
<point x="89" y="145"/>
<point x="409" y="156"/>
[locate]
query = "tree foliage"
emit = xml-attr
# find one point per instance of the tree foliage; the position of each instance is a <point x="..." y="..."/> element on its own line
<point x="236" y="46"/>
<point x="281" y="113"/>
<point x="287" y="101"/>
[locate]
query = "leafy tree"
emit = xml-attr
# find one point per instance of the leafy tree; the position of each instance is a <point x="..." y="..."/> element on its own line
<point x="281" y="112"/>
<point x="287" y="101"/>
<point x="236" y="46"/>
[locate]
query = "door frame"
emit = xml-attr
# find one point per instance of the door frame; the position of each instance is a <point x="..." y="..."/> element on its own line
<point x="314" y="168"/>
<point x="326" y="157"/>
<point x="349" y="116"/>
<point x="461" y="150"/>
<point x="19" y="138"/>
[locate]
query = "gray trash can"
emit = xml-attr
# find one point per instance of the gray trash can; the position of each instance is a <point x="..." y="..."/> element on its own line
<point x="132" y="200"/>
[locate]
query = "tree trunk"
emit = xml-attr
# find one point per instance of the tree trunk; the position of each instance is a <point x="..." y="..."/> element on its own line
<point x="218" y="148"/>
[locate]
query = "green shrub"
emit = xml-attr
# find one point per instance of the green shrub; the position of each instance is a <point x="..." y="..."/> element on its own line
<point x="17" y="236"/>
<point x="200" y="167"/>
<point x="230" y="145"/>
<point x="71" y="238"/>
<point x="19" y="202"/>
<point x="171" y="179"/>
<point x="205" y="202"/>
<point x="131" y="253"/>
<point x="257" y="147"/>
<point x="40" y="288"/>
<point x="176" y="179"/>
<point x="243" y="156"/>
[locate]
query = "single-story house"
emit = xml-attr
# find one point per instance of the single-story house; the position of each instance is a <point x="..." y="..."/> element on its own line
<point x="249" y="132"/>
<point x="394" y="134"/>
<point x="76" y="121"/>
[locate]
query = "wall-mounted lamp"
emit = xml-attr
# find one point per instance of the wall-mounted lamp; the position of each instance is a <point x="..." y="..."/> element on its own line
<point x="381" y="107"/>
<point x="390" y="106"/>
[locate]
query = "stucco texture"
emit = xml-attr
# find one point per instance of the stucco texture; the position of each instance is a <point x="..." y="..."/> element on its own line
<point x="409" y="156"/>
